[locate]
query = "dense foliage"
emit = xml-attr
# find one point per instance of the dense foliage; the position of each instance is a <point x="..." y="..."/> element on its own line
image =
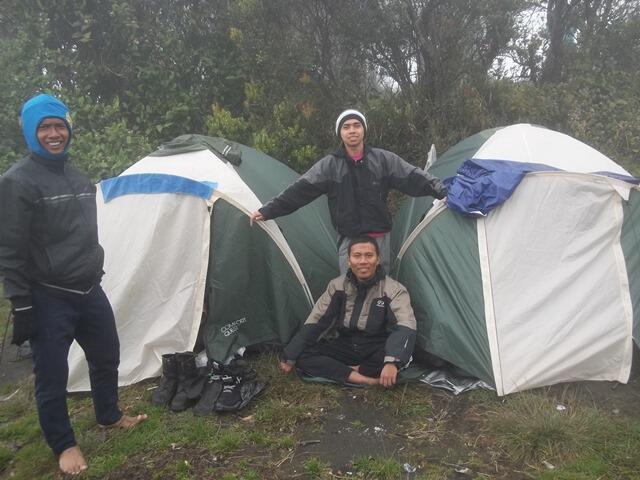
<point x="274" y="73"/>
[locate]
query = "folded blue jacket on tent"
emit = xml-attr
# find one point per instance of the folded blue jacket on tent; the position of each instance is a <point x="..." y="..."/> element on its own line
<point x="482" y="185"/>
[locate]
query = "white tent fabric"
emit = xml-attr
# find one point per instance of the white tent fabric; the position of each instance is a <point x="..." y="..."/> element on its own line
<point x="531" y="144"/>
<point x="568" y="224"/>
<point x="156" y="236"/>
<point x="202" y="166"/>
<point x="157" y="310"/>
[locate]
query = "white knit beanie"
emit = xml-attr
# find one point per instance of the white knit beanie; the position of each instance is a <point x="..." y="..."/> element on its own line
<point x="347" y="115"/>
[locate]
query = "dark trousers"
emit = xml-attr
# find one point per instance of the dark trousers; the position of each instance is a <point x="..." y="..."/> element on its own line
<point x="62" y="317"/>
<point x="331" y="359"/>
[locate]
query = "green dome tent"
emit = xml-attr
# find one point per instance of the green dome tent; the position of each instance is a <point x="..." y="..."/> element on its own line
<point x="181" y="257"/>
<point x="543" y="289"/>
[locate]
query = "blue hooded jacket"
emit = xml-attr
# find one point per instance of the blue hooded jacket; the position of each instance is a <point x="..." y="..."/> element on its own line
<point x="33" y="112"/>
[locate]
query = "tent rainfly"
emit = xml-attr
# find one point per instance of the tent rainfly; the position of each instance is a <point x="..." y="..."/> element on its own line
<point x="183" y="265"/>
<point x="538" y="282"/>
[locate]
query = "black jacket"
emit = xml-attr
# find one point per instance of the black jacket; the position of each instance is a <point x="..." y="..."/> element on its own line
<point x="381" y="308"/>
<point x="357" y="191"/>
<point x="48" y="228"/>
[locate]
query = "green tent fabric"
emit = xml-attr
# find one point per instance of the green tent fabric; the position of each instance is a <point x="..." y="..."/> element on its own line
<point x="442" y="273"/>
<point x="252" y="296"/>
<point x="630" y="239"/>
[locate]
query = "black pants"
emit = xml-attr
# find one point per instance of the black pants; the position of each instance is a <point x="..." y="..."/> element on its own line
<point x="331" y="359"/>
<point x="62" y="317"/>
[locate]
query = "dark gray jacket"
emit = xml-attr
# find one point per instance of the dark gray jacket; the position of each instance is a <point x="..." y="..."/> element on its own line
<point x="48" y="228"/>
<point x="357" y="191"/>
<point x="380" y="308"/>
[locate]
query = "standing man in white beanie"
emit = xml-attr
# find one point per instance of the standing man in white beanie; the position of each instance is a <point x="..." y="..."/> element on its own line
<point x="356" y="179"/>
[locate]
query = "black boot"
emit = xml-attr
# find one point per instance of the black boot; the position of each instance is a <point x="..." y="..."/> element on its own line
<point x="169" y="381"/>
<point x="190" y="382"/>
<point x="211" y="391"/>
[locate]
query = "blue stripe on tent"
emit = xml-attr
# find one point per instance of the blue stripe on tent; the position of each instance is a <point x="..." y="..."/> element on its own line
<point x="482" y="185"/>
<point x="154" y="183"/>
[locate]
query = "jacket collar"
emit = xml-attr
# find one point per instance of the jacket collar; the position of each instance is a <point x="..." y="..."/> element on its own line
<point x="56" y="165"/>
<point x="342" y="152"/>
<point x="377" y="277"/>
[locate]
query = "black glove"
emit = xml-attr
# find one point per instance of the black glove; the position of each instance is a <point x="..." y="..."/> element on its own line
<point x="24" y="325"/>
<point x="441" y="190"/>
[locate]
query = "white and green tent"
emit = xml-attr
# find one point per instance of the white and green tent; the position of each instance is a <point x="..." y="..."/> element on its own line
<point x="184" y="266"/>
<point x="544" y="288"/>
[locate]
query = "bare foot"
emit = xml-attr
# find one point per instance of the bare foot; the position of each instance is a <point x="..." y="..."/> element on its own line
<point x="72" y="462"/>
<point x="127" y="422"/>
<point x="359" y="379"/>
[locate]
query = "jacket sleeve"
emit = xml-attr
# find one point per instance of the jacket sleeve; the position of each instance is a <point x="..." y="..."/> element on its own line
<point x="16" y="211"/>
<point x="402" y="322"/>
<point x="303" y="191"/>
<point x="412" y="180"/>
<point x="321" y="319"/>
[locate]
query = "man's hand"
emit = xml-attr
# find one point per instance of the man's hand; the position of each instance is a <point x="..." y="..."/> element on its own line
<point x="256" y="217"/>
<point x="389" y="375"/>
<point x="24" y="325"/>
<point x="285" y="367"/>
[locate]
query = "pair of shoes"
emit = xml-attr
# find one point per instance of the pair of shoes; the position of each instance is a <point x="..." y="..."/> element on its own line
<point x="181" y="384"/>
<point x="229" y="388"/>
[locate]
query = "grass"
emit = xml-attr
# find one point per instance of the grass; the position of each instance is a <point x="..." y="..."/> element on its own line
<point x="435" y="432"/>
<point x="316" y="468"/>
<point x="378" y="468"/>
<point x="580" y="442"/>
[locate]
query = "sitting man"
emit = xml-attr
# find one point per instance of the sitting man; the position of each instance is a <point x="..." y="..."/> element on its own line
<point x="374" y="320"/>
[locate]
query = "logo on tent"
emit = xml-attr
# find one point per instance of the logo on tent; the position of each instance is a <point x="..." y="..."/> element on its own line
<point x="231" y="328"/>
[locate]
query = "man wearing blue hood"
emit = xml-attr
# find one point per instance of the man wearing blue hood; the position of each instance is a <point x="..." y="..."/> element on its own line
<point x="52" y="265"/>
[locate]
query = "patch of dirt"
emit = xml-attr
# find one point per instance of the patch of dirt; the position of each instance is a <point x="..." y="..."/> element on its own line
<point x="354" y="429"/>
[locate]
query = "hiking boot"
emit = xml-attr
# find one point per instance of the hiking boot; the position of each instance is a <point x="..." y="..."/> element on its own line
<point x="190" y="382"/>
<point x="169" y="381"/>
<point x="211" y="392"/>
